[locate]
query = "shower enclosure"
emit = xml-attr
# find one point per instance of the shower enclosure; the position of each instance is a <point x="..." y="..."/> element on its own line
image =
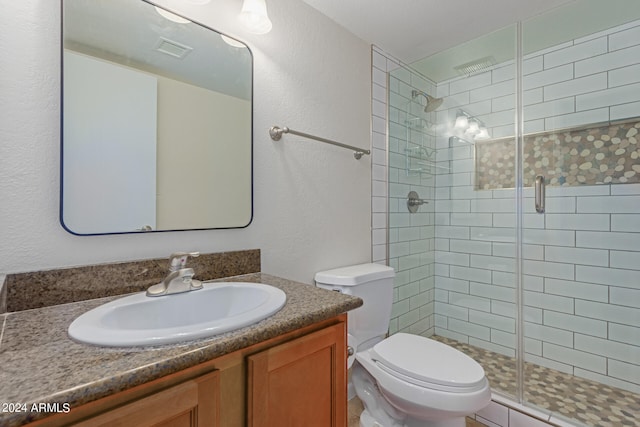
<point x="520" y="241"/>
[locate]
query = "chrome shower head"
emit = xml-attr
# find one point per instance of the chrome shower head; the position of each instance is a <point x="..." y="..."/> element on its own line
<point x="432" y="103"/>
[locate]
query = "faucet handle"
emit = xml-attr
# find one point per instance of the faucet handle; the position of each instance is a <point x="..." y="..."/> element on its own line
<point x="178" y="260"/>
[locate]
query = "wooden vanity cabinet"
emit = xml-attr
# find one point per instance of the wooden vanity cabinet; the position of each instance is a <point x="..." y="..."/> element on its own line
<point x="295" y="379"/>
<point x="299" y="383"/>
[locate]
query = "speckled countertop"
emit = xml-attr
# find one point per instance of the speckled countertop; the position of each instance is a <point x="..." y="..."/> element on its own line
<point x="39" y="363"/>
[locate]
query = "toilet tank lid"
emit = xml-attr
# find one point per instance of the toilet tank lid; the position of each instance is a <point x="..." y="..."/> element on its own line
<point x="354" y="274"/>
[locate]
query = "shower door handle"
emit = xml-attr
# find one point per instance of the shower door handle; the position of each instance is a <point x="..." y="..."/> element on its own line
<point x="540" y="184"/>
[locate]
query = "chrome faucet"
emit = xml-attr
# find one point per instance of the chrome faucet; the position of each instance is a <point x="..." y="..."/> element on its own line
<point x="179" y="279"/>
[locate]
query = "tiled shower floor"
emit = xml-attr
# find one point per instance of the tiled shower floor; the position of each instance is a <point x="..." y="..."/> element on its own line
<point x="589" y="402"/>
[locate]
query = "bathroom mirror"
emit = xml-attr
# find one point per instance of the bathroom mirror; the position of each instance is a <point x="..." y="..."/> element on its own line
<point x="156" y="121"/>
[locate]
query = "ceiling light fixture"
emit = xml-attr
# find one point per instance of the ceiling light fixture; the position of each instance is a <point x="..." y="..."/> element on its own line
<point x="254" y="17"/>
<point x="470" y="126"/>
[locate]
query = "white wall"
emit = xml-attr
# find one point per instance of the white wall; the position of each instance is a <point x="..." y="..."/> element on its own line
<point x="209" y="168"/>
<point x="99" y="155"/>
<point x="311" y="201"/>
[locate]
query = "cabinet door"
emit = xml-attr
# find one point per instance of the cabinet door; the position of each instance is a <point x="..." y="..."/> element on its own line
<point x="301" y="382"/>
<point x="194" y="403"/>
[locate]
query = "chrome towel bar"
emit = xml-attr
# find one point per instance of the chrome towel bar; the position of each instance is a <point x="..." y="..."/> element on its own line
<point x="276" y="133"/>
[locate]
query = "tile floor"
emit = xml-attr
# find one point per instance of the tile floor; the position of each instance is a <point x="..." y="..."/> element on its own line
<point x="589" y="402"/>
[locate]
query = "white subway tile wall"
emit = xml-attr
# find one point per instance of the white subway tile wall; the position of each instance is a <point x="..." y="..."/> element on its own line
<point x="408" y="240"/>
<point x="412" y="250"/>
<point x="582" y="257"/>
<point x="379" y="163"/>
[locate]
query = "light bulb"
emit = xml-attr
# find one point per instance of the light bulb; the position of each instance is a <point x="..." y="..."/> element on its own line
<point x="254" y="17"/>
<point x="473" y="127"/>
<point x="483" y="134"/>
<point x="461" y="122"/>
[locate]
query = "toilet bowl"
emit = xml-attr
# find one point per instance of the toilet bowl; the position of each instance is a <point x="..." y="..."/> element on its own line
<point x="427" y="383"/>
<point x="404" y="380"/>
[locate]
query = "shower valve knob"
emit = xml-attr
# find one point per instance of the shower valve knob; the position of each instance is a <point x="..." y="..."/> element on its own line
<point x="414" y="201"/>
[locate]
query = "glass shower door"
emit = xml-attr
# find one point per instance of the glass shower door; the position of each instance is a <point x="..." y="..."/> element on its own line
<point x="541" y="285"/>
<point x="472" y="167"/>
<point x="581" y="213"/>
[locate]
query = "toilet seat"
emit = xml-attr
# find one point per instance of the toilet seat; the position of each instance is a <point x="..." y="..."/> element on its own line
<point x="427" y="363"/>
<point x="428" y="401"/>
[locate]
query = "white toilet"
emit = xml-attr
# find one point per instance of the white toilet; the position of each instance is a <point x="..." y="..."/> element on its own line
<point x="404" y="380"/>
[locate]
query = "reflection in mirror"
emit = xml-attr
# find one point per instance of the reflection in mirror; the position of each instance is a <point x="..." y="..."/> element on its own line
<point x="157" y="116"/>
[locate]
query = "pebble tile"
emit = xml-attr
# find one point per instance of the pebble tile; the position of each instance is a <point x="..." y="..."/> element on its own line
<point x="589" y="402"/>
<point x="597" y="155"/>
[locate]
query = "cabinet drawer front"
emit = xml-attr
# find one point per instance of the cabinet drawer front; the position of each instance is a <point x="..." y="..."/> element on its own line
<point x="193" y="403"/>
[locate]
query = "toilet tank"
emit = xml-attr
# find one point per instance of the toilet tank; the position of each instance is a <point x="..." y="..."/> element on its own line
<point x="374" y="284"/>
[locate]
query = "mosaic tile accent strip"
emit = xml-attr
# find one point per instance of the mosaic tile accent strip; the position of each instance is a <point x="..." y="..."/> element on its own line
<point x="45" y="288"/>
<point x="589" y="402"/>
<point x="598" y="155"/>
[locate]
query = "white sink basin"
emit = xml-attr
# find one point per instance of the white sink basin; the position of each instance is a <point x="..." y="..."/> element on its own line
<point x="139" y="320"/>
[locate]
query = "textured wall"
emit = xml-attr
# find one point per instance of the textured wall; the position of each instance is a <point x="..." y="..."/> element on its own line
<point x="311" y="201"/>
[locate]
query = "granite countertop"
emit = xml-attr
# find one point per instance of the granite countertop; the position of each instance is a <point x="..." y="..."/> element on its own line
<point x="39" y="363"/>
